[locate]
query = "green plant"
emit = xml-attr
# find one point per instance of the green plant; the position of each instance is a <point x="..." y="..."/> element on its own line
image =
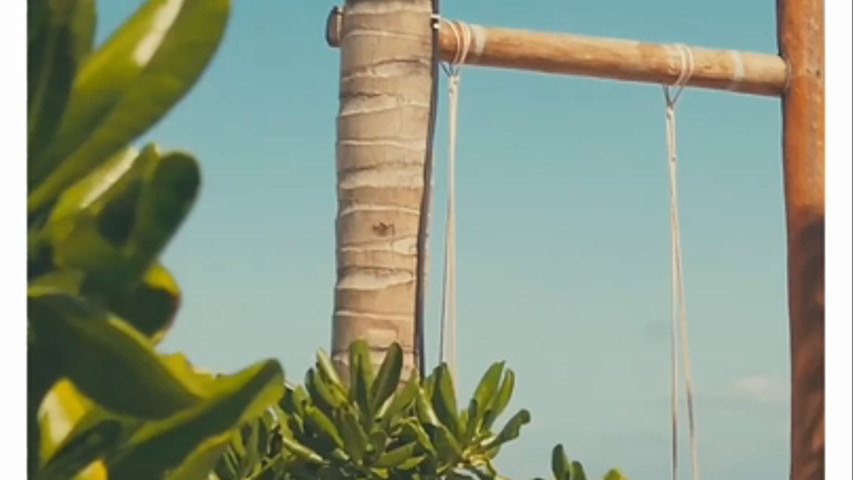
<point x="563" y="469"/>
<point x="377" y="427"/>
<point x="101" y="400"/>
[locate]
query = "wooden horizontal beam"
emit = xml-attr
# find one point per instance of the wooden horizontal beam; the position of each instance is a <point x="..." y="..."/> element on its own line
<point x="562" y="53"/>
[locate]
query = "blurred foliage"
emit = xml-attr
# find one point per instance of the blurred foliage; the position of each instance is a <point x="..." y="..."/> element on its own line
<point x="102" y="403"/>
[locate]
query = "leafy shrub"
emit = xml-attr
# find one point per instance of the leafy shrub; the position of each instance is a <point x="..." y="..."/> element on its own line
<point x="563" y="469"/>
<point x="100" y="399"/>
<point x="379" y="427"/>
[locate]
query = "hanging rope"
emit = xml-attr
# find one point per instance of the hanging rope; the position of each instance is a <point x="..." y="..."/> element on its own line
<point x="678" y="303"/>
<point x="448" y="308"/>
<point x="421" y="269"/>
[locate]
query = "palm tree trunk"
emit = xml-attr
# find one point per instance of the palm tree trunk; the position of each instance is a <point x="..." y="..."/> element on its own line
<point x="383" y="124"/>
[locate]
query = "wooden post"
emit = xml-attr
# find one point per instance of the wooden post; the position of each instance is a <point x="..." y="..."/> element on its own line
<point x="801" y="45"/>
<point x="798" y="77"/>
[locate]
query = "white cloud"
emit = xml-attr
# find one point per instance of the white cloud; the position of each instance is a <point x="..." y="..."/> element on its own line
<point x="758" y="388"/>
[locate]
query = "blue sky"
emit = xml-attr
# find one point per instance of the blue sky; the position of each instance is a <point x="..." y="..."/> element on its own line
<point x="562" y="226"/>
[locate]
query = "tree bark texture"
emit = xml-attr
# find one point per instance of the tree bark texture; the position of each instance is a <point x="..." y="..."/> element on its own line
<point x="382" y="134"/>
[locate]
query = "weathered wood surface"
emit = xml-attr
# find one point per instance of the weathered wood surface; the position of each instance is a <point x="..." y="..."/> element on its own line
<point x="801" y="45"/>
<point x="563" y="53"/>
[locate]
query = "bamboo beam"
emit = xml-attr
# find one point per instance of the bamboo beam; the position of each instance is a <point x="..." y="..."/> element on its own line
<point x="562" y="53"/>
<point x="801" y="45"/>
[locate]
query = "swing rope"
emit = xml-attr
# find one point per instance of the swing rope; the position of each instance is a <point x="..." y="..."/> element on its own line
<point x="463" y="36"/>
<point x="678" y="302"/>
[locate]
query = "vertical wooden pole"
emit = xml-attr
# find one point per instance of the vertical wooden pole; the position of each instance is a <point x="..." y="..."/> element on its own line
<point x="800" y="34"/>
<point x="381" y="150"/>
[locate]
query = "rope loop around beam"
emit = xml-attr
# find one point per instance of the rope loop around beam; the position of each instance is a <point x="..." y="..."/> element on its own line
<point x="678" y="333"/>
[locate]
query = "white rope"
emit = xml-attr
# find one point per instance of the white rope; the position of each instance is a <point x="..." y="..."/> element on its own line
<point x="448" y="314"/>
<point x="679" y="306"/>
<point x="737" y="69"/>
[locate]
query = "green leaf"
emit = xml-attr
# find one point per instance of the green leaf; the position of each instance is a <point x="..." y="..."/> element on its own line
<point x="254" y="451"/>
<point x="229" y="465"/>
<point x="444" y="400"/>
<point x="81" y="450"/>
<point x="54" y="407"/>
<point x="319" y="393"/>
<point x="161" y="445"/>
<point x="150" y="305"/>
<point x="202" y="460"/>
<point x="388" y="377"/>
<point x="355" y="439"/>
<point x="485" y="391"/>
<point x="126" y="86"/>
<point x="446" y="445"/>
<point x="426" y="415"/>
<point x="614" y="474"/>
<point x="361" y="377"/>
<point x="196" y="379"/>
<point x="294" y="400"/>
<point x="470" y="418"/>
<point x="378" y="440"/>
<point x="236" y="446"/>
<point x="95" y="415"/>
<point x="381" y="473"/>
<point x="116" y="221"/>
<point x="492" y="452"/>
<point x="106" y="359"/>
<point x="428" y="385"/>
<point x="577" y="471"/>
<point x="414" y="431"/>
<point x="82" y="197"/>
<point x="323" y="426"/>
<point x="500" y="400"/>
<point x="396" y="456"/>
<point x="399" y="402"/>
<point x="560" y="464"/>
<point x="327" y="369"/>
<point x="83" y="20"/>
<point x="301" y="451"/>
<point x="67" y="281"/>
<point x="63" y="35"/>
<point x="339" y="456"/>
<point x="360" y="365"/>
<point x="37" y="15"/>
<point x="410" y="463"/>
<point x="511" y="430"/>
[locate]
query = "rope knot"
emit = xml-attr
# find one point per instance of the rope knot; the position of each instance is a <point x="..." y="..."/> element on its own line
<point x="687" y="67"/>
<point x="463" y="36"/>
